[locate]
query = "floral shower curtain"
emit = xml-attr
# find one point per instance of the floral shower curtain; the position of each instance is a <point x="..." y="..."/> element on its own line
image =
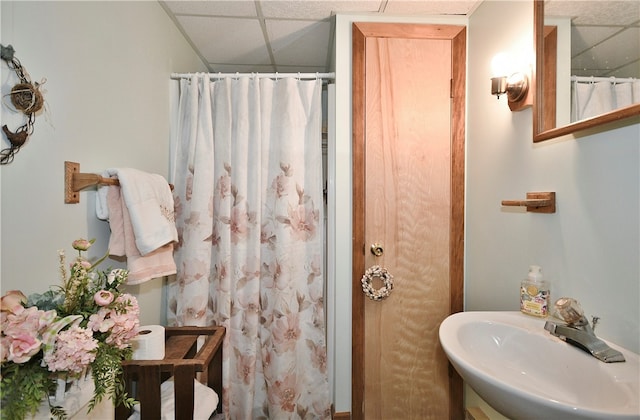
<point x="248" y="186"/>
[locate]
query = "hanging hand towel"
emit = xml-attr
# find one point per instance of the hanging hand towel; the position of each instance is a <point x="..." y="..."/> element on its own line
<point x="149" y="202"/>
<point x="157" y="263"/>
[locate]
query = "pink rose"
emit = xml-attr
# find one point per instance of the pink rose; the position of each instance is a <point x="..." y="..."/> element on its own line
<point x="80" y="264"/>
<point x="103" y="297"/>
<point x="22" y="347"/>
<point x="12" y="301"/>
<point x="5" y="342"/>
<point x="82" y="244"/>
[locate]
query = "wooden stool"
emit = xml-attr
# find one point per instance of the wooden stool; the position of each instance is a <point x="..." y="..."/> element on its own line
<point x="183" y="362"/>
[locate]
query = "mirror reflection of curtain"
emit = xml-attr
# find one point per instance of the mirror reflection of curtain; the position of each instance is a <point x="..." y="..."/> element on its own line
<point x="596" y="97"/>
<point x="247" y="165"/>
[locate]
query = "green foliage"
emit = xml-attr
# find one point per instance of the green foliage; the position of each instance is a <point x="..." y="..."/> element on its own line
<point x="57" y="412"/>
<point x="28" y="382"/>
<point x="46" y="301"/>
<point x="107" y="376"/>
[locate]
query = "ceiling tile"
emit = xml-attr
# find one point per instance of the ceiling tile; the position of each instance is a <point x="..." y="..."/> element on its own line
<point x="583" y="37"/>
<point x="240" y="68"/>
<point x="240" y="8"/>
<point x="301" y="69"/>
<point x="460" y="7"/>
<point x="314" y="9"/>
<point x="626" y="71"/>
<point x="291" y="39"/>
<point x="227" y="40"/>
<point x="612" y="53"/>
<point x="596" y="12"/>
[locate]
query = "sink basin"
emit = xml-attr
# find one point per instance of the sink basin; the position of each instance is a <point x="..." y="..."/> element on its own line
<point x="524" y="372"/>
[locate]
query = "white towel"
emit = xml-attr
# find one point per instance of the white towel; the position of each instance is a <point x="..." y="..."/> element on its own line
<point x="204" y="404"/>
<point x="149" y="201"/>
<point x="102" y="207"/>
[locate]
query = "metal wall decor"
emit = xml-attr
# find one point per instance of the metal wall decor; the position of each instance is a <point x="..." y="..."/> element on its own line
<point x="26" y="98"/>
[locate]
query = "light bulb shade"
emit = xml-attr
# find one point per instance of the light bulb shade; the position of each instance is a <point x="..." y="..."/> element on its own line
<point x="498" y="86"/>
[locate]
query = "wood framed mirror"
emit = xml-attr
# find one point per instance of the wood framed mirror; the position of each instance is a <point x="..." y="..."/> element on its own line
<point x="557" y="62"/>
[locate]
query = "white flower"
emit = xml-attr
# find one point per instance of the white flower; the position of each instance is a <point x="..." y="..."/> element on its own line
<point x="118" y="275"/>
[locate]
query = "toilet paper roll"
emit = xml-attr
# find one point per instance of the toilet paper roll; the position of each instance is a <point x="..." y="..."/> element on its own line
<point x="149" y="343"/>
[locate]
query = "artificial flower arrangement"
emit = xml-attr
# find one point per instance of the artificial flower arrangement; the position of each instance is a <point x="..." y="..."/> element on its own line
<point x="84" y="324"/>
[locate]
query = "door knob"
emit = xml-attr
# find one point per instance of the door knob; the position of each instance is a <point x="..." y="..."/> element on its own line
<point x="377" y="250"/>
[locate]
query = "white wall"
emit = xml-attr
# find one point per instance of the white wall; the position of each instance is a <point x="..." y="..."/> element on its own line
<point x="107" y="68"/>
<point x="590" y="248"/>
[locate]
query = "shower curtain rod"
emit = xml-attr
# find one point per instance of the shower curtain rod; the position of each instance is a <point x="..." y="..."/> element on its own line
<point x="602" y="79"/>
<point x="259" y="75"/>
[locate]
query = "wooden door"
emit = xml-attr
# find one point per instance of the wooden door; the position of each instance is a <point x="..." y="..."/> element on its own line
<point x="408" y="197"/>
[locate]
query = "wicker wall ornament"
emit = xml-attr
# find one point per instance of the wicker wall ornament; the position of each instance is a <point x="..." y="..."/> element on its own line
<point x="367" y="280"/>
<point x="25" y="98"/>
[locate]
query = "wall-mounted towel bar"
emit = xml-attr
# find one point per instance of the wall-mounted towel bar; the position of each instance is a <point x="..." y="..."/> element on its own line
<point x="536" y="202"/>
<point x="75" y="181"/>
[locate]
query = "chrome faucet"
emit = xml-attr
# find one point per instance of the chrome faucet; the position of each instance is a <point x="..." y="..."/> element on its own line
<point x="578" y="332"/>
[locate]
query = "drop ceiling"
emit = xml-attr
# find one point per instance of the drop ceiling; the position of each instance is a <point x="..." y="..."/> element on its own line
<point x="605" y="36"/>
<point x="297" y="35"/>
<point x="282" y="35"/>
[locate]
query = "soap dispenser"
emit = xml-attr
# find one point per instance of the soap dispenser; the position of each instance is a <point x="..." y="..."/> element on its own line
<point x="535" y="293"/>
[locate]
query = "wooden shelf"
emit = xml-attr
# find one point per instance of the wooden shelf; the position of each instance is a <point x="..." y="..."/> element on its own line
<point x="183" y="361"/>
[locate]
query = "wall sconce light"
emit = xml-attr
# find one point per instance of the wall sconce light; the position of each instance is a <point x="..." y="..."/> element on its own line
<point x="515" y="87"/>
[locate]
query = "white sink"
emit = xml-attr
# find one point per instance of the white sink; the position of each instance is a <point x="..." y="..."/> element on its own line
<point x="524" y="372"/>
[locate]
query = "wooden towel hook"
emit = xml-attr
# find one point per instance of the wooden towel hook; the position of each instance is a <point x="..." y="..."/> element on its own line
<point x="536" y="202"/>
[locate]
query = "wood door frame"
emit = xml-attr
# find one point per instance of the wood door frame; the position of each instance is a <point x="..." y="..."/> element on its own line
<point x="457" y="34"/>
